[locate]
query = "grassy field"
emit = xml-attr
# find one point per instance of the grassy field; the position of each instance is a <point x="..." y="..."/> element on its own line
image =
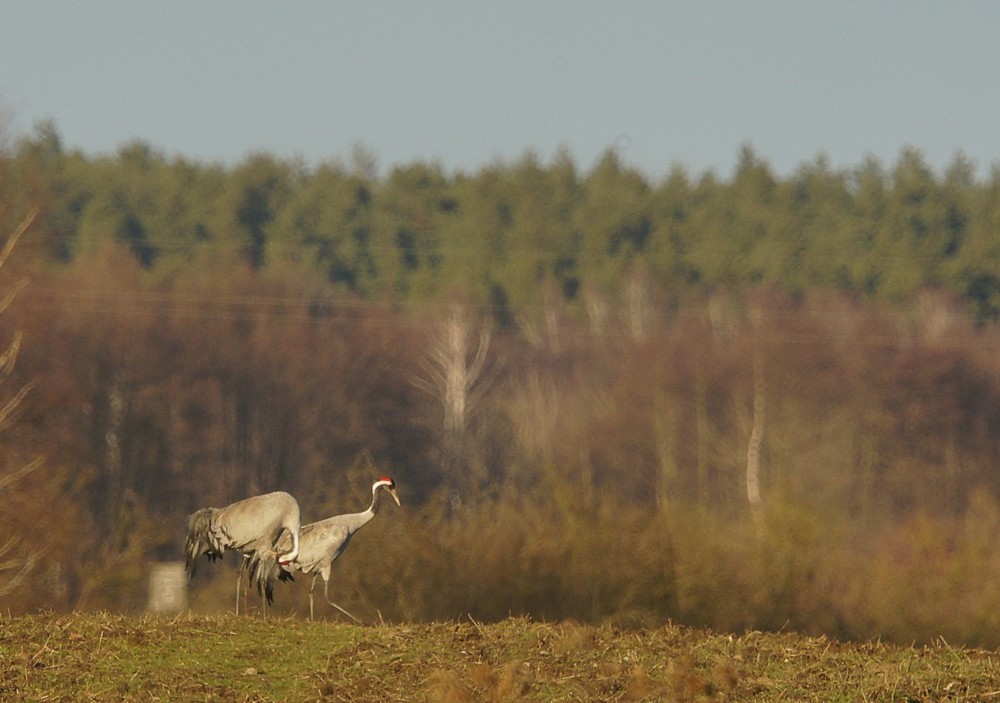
<point x="103" y="657"/>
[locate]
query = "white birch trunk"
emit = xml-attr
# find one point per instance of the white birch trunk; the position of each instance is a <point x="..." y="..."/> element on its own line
<point x="756" y="439"/>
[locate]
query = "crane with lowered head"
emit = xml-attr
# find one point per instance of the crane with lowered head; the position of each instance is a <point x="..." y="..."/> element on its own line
<point x="320" y="544"/>
<point x="253" y="527"/>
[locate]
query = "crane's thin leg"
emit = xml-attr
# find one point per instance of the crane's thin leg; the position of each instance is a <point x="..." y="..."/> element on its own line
<point x="239" y="577"/>
<point x="311" y="596"/>
<point x="326" y="594"/>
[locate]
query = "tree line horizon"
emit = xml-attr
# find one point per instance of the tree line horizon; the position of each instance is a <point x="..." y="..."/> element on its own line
<point x="595" y="392"/>
<point x="513" y="234"/>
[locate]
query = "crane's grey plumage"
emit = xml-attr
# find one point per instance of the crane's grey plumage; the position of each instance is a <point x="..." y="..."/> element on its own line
<point x="321" y="543"/>
<point x="253" y="527"/>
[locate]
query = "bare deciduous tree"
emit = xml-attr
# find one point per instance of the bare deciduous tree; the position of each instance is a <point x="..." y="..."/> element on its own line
<point x="454" y="375"/>
<point x="15" y="563"/>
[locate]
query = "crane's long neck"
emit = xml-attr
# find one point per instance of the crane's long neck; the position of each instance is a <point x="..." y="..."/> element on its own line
<point x="376" y="499"/>
<point x="292" y="555"/>
<point x="356" y="521"/>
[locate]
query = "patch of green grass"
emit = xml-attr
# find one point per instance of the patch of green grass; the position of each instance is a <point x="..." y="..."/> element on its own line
<point x="98" y="656"/>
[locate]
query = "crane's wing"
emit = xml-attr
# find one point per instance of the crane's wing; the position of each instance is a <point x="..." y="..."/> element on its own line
<point x="322" y="542"/>
<point x="200" y="540"/>
<point x="258" y="520"/>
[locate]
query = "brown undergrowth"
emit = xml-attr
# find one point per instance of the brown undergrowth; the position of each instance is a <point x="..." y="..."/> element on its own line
<point x="805" y="571"/>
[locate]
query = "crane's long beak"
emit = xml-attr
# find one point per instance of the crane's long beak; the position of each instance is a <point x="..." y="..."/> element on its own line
<point x="392" y="492"/>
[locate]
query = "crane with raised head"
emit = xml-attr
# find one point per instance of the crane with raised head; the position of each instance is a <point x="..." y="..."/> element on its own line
<point x="320" y="544"/>
<point x="253" y="527"/>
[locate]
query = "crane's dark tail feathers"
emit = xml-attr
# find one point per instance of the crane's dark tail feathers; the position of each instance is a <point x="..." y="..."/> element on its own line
<point x="264" y="570"/>
<point x="198" y="541"/>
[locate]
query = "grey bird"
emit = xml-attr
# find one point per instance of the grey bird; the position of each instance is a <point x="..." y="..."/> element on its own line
<point x="321" y="543"/>
<point x="253" y="527"/>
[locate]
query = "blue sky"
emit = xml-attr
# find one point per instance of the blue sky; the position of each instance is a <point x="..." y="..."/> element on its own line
<point x="464" y="84"/>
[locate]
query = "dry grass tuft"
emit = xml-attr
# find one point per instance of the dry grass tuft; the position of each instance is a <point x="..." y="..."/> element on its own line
<point x="574" y="637"/>
<point x="638" y="686"/>
<point x="684" y="681"/>
<point x="486" y="684"/>
<point x="444" y="686"/>
<point x="482" y="676"/>
<point x="510" y="685"/>
<point x="725" y="676"/>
